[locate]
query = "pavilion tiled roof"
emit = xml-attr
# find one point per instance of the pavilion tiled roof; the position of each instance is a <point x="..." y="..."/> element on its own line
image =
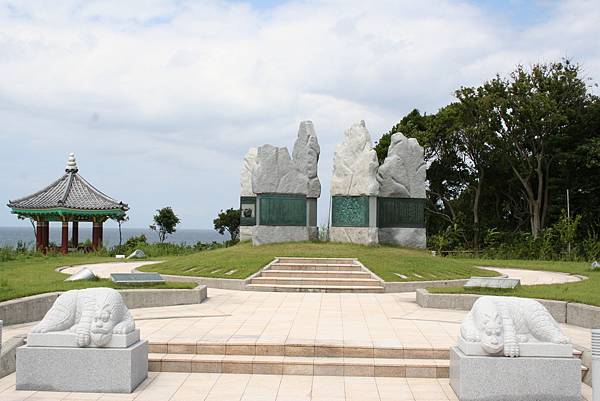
<point x="71" y="191"/>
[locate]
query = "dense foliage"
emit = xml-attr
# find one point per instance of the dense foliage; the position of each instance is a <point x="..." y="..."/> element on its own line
<point x="501" y="159"/>
<point x="165" y="221"/>
<point x="228" y="220"/>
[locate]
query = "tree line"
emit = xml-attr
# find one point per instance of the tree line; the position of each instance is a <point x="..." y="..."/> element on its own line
<point x="502" y="157"/>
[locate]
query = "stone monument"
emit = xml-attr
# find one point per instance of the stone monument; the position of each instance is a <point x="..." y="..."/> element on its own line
<point x="512" y="349"/>
<point x="286" y="190"/>
<point x="354" y="189"/>
<point x="87" y="342"/>
<point x="401" y="201"/>
<point x="247" y="196"/>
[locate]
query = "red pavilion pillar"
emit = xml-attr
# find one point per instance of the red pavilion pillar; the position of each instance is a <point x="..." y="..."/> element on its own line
<point x="64" y="245"/>
<point x="96" y="236"/>
<point x="75" y="234"/>
<point x="39" y="236"/>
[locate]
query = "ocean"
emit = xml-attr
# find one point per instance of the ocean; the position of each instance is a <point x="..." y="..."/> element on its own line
<point x="9" y="236"/>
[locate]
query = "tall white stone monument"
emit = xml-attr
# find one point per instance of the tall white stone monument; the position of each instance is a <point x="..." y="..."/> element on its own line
<point x="87" y="342"/>
<point x="287" y="189"/>
<point x="247" y="196"/>
<point x="354" y="188"/>
<point x="401" y="199"/>
<point x="512" y="349"/>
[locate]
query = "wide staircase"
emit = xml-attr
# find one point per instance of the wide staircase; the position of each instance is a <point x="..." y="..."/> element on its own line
<point x="316" y="274"/>
<point x="298" y="359"/>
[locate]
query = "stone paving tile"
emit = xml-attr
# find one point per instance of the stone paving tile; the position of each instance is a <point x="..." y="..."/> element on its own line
<point x="245" y="387"/>
<point x="247" y="318"/>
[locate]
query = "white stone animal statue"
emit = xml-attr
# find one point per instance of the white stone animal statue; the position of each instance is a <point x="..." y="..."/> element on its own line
<point x="94" y="314"/>
<point x="500" y="324"/>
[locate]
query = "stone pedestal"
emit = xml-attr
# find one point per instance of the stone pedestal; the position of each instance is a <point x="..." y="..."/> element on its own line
<point x="274" y="234"/>
<point x="408" y="237"/>
<point x="246" y="233"/>
<point x="94" y="370"/>
<point x="354" y="235"/>
<point x="490" y="378"/>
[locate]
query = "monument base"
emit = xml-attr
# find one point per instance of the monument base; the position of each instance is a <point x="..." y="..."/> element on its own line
<point x="493" y="378"/>
<point x="246" y="233"/>
<point x="274" y="234"/>
<point x="91" y="370"/>
<point x="354" y="235"/>
<point x="409" y="237"/>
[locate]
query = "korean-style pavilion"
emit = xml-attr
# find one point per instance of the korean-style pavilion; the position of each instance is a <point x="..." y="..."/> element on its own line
<point x="69" y="199"/>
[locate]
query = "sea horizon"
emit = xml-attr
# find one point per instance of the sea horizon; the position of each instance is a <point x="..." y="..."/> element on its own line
<point x="11" y="236"/>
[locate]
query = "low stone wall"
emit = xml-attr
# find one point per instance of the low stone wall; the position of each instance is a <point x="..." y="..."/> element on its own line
<point x="581" y="315"/>
<point x="412" y="286"/>
<point x="32" y="309"/>
<point x="8" y="356"/>
<point x="222" y="283"/>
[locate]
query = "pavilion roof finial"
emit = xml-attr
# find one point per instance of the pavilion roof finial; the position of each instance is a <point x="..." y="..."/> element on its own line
<point x="71" y="164"/>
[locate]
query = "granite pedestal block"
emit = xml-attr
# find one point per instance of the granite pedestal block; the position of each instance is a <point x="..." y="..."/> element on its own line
<point x="95" y="370"/>
<point x="275" y="234"/>
<point x="354" y="235"/>
<point x="490" y="378"/>
<point x="409" y="237"/>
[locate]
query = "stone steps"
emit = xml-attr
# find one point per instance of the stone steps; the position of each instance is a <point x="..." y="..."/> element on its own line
<point x="315" y="267"/>
<point x="296" y="349"/>
<point x="315" y="273"/>
<point x="299" y="365"/>
<point x="313" y="288"/>
<point x="312" y="281"/>
<point x="316" y="261"/>
<point x="301" y="359"/>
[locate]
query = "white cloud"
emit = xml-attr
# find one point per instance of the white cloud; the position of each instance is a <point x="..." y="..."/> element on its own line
<point x="161" y="99"/>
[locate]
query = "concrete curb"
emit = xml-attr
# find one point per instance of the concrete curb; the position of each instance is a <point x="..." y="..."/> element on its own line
<point x="33" y="308"/>
<point x="8" y="357"/>
<point x="586" y="316"/>
<point x="412" y="286"/>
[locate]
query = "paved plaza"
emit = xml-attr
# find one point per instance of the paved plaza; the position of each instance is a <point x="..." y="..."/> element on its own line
<point x="252" y="319"/>
<point x="247" y="317"/>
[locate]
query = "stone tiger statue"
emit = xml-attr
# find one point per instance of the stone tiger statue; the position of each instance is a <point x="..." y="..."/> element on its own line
<point x="94" y="314"/>
<point x="501" y="323"/>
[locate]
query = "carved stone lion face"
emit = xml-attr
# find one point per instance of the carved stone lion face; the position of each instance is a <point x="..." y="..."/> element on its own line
<point x="102" y="326"/>
<point x="492" y="337"/>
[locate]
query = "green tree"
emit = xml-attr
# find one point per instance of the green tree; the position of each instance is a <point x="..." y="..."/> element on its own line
<point x="228" y="220"/>
<point x="537" y="107"/>
<point x="165" y="222"/>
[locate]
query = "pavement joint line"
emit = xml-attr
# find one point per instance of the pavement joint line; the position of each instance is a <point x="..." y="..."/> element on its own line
<point x="425" y="320"/>
<point x="181" y="317"/>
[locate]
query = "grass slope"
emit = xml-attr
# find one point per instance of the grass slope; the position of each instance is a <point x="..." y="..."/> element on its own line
<point x="35" y="275"/>
<point x="387" y="262"/>
<point x="586" y="291"/>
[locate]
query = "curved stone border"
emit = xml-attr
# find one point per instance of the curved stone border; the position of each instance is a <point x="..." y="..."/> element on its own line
<point x="240" y="284"/>
<point x="412" y="286"/>
<point x="586" y="316"/>
<point x="33" y="308"/>
<point x="8" y="356"/>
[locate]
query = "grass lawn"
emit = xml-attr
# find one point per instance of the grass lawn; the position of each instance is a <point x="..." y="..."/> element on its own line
<point x="35" y="275"/>
<point x="586" y="291"/>
<point x="387" y="262"/>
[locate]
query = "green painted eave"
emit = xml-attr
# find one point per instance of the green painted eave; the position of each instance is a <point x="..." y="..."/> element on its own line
<point x="60" y="211"/>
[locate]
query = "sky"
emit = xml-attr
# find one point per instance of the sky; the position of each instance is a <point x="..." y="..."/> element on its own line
<point x="161" y="99"/>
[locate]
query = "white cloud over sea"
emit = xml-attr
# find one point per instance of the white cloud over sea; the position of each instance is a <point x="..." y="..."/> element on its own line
<point x="160" y="100"/>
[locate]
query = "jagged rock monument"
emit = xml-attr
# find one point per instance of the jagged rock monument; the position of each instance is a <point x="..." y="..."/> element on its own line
<point x="354" y="188"/>
<point x="513" y="349"/>
<point x="247" y="196"/>
<point x="401" y="202"/>
<point x="286" y="189"/>
<point x="87" y="342"/>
